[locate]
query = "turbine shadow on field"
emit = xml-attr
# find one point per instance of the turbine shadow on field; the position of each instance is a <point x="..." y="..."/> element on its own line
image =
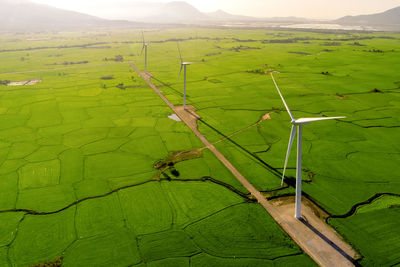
<point x="327" y="240"/>
<point x="168" y="85"/>
<point x="273" y="170"/>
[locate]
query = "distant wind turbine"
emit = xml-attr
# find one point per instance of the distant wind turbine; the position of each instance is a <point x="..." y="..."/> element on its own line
<point x="183" y="66"/>
<point x="144" y="47"/>
<point x="299" y="124"/>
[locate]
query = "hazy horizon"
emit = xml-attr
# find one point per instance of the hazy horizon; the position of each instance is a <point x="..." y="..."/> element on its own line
<point x="314" y="9"/>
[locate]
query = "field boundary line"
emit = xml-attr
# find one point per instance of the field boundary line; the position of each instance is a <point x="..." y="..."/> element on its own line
<point x="62" y="68"/>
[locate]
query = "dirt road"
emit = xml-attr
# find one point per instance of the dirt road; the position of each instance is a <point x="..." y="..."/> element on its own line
<point x="316" y="238"/>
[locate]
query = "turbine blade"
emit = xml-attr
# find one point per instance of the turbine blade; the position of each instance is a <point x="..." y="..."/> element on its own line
<point x="179" y="50"/>
<point x="143" y="38"/>
<point x="283" y="100"/>
<point x="180" y="71"/>
<point x="308" y="120"/>
<point x="292" y="135"/>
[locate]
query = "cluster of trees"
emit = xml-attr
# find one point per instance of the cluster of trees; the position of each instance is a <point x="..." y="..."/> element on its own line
<point x="374" y="51"/>
<point x="49" y="47"/>
<point x="117" y="58"/>
<point x="332" y="44"/>
<point x="121" y="86"/>
<point x="213" y="54"/>
<point x="257" y="71"/>
<point x="241" y="47"/>
<point x="71" y="63"/>
<point x="4" y="82"/>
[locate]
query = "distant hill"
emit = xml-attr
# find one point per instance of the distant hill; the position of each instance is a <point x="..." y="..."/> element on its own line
<point x="222" y="15"/>
<point x="173" y="12"/>
<point x="22" y="15"/>
<point x="390" y="17"/>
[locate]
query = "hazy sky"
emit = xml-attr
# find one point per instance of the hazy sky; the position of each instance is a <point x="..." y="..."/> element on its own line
<point x="261" y="8"/>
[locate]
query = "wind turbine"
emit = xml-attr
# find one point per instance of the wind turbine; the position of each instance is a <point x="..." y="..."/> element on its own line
<point x="144" y="47"/>
<point x="297" y="123"/>
<point x="183" y="66"/>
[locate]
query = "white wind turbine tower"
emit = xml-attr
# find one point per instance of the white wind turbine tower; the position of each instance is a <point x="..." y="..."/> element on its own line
<point x="299" y="124"/>
<point x="183" y="66"/>
<point x="144" y="47"/>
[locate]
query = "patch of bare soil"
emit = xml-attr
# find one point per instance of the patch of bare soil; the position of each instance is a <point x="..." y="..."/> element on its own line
<point x="55" y="263"/>
<point x="271" y="71"/>
<point x="25" y="82"/>
<point x="265" y="117"/>
<point x="315" y="218"/>
<point x="189" y="115"/>
<point x="174" y="158"/>
<point x="289" y="200"/>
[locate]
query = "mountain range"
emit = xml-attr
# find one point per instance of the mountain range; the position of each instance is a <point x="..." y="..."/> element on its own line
<point x="23" y="15"/>
<point x="390" y="18"/>
<point x="176" y="12"/>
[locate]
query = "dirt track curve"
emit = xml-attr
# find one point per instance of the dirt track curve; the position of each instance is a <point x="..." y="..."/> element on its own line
<point x="317" y="239"/>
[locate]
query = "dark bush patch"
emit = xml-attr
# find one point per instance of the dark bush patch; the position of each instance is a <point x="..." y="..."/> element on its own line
<point x="242" y="47"/>
<point x="55" y="263"/>
<point x="213" y="54"/>
<point x="356" y="44"/>
<point x="374" y="51"/>
<point x="4" y="82"/>
<point x="117" y="58"/>
<point x="214" y="81"/>
<point x="175" y="173"/>
<point x="332" y="44"/>
<point x="121" y="86"/>
<point x="65" y="63"/>
<point x="111" y="77"/>
<point x="375" y="90"/>
<point x="300" y="53"/>
<point x="256" y="71"/>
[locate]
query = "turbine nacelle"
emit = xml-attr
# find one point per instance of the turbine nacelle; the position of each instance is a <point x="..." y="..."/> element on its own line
<point x="305" y="121"/>
<point x="183" y="64"/>
<point x="145" y="45"/>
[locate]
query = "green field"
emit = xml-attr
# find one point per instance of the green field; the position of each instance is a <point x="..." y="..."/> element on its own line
<point x="78" y="177"/>
<point x="78" y="149"/>
<point x="346" y="162"/>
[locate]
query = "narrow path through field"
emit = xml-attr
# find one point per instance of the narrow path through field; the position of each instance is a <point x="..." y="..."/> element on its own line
<point x="316" y="238"/>
<point x="267" y="116"/>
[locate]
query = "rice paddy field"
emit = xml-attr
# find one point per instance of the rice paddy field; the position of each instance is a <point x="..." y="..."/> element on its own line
<point x="94" y="173"/>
